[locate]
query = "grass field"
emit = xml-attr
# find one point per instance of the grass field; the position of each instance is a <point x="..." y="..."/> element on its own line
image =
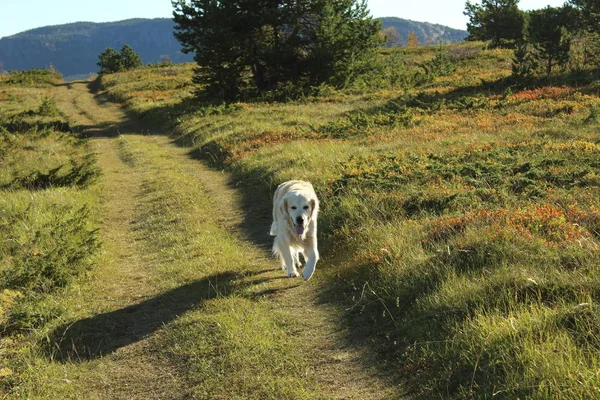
<point x="170" y="298"/>
<point x="459" y="232"/>
<point x="460" y="217"/>
<point x="48" y="222"/>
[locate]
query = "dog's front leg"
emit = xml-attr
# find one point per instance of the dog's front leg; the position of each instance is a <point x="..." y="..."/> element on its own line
<point x="312" y="256"/>
<point x="288" y="258"/>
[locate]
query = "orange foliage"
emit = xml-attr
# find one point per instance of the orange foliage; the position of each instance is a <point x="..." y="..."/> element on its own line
<point x="270" y="138"/>
<point x="547" y="92"/>
<point x="547" y="222"/>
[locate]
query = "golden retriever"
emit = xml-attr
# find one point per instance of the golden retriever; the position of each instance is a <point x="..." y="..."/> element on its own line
<point x="295" y="209"/>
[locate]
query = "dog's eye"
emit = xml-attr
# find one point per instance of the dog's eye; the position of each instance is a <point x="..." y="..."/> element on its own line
<point x="294" y="207"/>
<point x="305" y="207"/>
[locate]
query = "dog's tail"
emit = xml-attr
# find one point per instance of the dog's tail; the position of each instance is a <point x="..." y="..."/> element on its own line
<point x="273" y="231"/>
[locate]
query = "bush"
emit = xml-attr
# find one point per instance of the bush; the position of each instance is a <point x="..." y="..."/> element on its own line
<point x="81" y="172"/>
<point x="49" y="254"/>
<point x="442" y="64"/>
<point x="48" y="107"/>
<point x="110" y="61"/>
<point x="33" y="77"/>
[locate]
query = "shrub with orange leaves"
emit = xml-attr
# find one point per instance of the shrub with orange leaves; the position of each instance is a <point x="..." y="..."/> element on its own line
<point x="546" y="221"/>
<point x="546" y="92"/>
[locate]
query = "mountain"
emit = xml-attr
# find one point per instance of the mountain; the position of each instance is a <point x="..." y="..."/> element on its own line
<point x="426" y="32"/>
<point x="73" y="49"/>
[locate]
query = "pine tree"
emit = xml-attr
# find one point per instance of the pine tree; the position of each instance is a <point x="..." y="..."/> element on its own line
<point x="129" y="58"/>
<point x="550" y="34"/>
<point x="109" y="61"/>
<point x="298" y="42"/>
<point x="588" y="30"/>
<point x="590" y="14"/>
<point x="525" y="62"/>
<point x="498" y="21"/>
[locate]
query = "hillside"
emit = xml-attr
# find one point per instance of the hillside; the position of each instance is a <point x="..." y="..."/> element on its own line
<point x="426" y="32"/>
<point x="460" y="217"/>
<point x="73" y="49"/>
<point x="459" y="232"/>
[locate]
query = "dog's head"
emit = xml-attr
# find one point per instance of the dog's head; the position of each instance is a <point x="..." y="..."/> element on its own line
<point x="300" y="207"/>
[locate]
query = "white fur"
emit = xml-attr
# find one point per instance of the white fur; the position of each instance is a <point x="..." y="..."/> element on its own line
<point x="295" y="209"/>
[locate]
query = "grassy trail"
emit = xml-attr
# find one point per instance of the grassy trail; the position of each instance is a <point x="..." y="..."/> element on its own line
<point x="179" y="259"/>
<point x="122" y="278"/>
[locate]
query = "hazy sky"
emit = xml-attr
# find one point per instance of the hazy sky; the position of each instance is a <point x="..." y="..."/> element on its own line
<point x="21" y="15"/>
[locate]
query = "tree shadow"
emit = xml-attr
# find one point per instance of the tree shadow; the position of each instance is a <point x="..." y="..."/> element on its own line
<point x="475" y="96"/>
<point x="105" y="333"/>
<point x="256" y="192"/>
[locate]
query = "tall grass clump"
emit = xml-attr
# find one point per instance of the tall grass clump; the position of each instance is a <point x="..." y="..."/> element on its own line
<point x="49" y="240"/>
<point x="48" y="107"/>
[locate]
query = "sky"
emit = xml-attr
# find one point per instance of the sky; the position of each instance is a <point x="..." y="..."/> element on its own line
<point x="21" y="15"/>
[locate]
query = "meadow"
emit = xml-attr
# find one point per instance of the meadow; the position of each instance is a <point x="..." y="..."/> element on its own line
<point x="459" y="233"/>
<point x="460" y="210"/>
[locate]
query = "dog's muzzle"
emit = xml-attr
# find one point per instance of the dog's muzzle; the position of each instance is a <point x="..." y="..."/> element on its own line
<point x="299" y="226"/>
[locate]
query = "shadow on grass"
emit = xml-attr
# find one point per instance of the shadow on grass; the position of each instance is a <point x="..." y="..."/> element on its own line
<point x="103" y="334"/>
<point x="460" y="98"/>
<point x="256" y="195"/>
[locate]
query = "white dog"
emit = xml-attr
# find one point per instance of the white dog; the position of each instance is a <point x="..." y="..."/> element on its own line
<point x="295" y="209"/>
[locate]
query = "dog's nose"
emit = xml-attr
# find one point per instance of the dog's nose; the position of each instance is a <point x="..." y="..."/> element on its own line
<point x="299" y="220"/>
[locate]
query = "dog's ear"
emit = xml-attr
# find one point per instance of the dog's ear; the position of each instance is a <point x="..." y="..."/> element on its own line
<point x="314" y="206"/>
<point x="283" y="207"/>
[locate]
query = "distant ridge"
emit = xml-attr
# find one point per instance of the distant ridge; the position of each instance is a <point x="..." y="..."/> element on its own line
<point x="73" y="49"/>
<point x="426" y="32"/>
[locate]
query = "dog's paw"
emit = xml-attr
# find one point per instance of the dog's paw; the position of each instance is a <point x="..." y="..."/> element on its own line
<point x="307" y="273"/>
<point x="294" y="274"/>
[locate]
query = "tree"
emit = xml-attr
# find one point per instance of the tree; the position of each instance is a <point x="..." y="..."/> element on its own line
<point x="525" y="63"/>
<point x="587" y="38"/>
<point x="412" y="40"/>
<point x="344" y="44"/>
<point x="590" y="14"/>
<point x="129" y="58"/>
<point x="498" y="21"/>
<point x="302" y="42"/>
<point x="391" y="37"/>
<point x="550" y="34"/>
<point x="110" y="61"/>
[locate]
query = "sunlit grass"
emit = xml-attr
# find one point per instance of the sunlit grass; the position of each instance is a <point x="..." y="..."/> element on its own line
<point x="48" y="217"/>
<point x="459" y="218"/>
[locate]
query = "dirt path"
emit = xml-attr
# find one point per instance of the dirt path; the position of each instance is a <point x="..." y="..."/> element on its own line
<point x="122" y="279"/>
<point x="126" y="277"/>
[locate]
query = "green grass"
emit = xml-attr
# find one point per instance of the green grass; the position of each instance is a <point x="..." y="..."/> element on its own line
<point x="460" y="218"/>
<point x="47" y="214"/>
<point x="241" y="349"/>
<point x="231" y="345"/>
<point x="460" y="232"/>
<point x="170" y="303"/>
